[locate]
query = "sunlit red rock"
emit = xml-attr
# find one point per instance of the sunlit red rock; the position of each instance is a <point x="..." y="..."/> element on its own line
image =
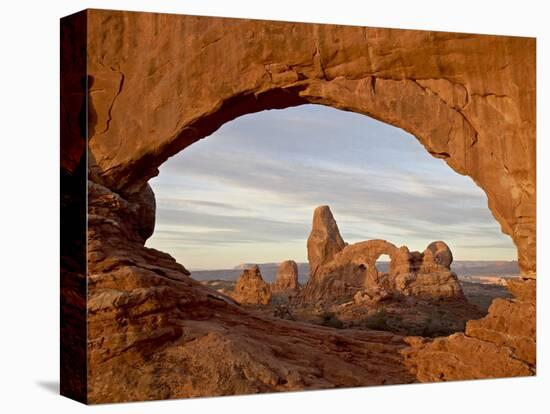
<point x="352" y="269"/>
<point x="159" y="82"/>
<point x="251" y="288"/>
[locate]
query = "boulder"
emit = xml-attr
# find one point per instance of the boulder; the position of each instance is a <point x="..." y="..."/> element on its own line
<point x="146" y="210"/>
<point x="438" y="253"/>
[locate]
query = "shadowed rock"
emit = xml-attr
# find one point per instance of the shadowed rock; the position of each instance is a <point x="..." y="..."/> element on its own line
<point x="506" y="336"/>
<point x="286" y="281"/>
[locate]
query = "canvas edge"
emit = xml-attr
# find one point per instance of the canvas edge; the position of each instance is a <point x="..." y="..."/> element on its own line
<point x="73" y="206"/>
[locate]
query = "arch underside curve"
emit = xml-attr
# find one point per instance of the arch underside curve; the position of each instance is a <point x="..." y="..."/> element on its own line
<point x="468" y="99"/>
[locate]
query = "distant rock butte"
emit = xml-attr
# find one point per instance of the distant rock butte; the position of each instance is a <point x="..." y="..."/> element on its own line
<point x="345" y="271"/>
<point x="251" y="288"/>
<point x="286" y="281"/>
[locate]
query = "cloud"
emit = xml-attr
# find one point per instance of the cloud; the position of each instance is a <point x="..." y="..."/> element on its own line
<point x="258" y="178"/>
<point x="231" y="227"/>
<point x="182" y="203"/>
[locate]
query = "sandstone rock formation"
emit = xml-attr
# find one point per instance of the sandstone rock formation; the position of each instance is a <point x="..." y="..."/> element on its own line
<point x="286" y="282"/>
<point x="506" y="336"/>
<point x="324" y="241"/>
<point x="439" y="253"/>
<point x="159" y="82"/>
<point x="251" y="288"/>
<point x="349" y="271"/>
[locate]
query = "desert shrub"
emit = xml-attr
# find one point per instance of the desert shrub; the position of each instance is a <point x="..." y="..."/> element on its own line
<point x="330" y="319"/>
<point x="436" y="324"/>
<point x="279" y="299"/>
<point x="282" y="311"/>
<point x="378" y="321"/>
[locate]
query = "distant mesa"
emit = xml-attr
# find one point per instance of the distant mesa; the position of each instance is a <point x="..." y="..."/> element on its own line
<point x="487" y="280"/>
<point x="242" y="266"/>
<point x="465" y="269"/>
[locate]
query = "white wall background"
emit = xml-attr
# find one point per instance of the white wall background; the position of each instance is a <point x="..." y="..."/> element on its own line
<point x="29" y="217"/>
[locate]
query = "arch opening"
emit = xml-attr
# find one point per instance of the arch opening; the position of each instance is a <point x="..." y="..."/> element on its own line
<point x="245" y="196"/>
<point x="244" y="152"/>
<point x="448" y="135"/>
<point x="383" y="263"/>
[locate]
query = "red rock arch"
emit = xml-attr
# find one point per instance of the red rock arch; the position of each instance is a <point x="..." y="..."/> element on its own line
<point x="367" y="253"/>
<point x="161" y="82"/>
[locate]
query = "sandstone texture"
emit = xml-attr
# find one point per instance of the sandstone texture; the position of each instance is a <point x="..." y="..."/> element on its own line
<point x="286" y="281"/>
<point x="160" y="82"/>
<point x="349" y="271"/>
<point x="251" y="288"/>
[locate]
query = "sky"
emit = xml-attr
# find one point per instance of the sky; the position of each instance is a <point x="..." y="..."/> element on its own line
<point x="246" y="193"/>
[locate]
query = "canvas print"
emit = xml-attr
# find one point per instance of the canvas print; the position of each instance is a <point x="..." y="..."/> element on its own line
<point x="255" y="206"/>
